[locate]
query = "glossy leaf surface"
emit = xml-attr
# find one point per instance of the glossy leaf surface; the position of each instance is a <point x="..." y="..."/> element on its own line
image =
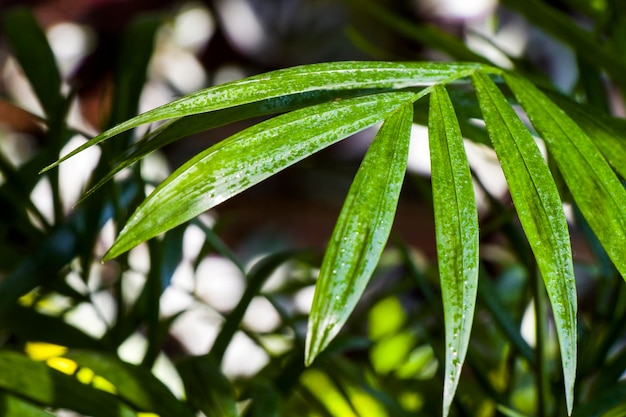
<point x="249" y="157"/>
<point x="349" y="75"/>
<point x="361" y="231"/>
<point x="540" y="211"/>
<point x="456" y="228"/>
<point x="175" y="129"/>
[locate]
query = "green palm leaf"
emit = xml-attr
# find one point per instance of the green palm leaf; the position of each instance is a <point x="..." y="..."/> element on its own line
<point x="540" y="211"/>
<point x="456" y="228"/>
<point x="361" y="232"/>
<point x="249" y="157"/>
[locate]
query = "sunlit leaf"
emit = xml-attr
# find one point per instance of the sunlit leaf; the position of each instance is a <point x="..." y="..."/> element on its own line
<point x="175" y="129"/>
<point x="361" y="231"/>
<point x="249" y="157"/>
<point x="540" y="211"/>
<point x="133" y="383"/>
<point x="37" y="382"/>
<point x="456" y="227"/>
<point x="349" y="75"/>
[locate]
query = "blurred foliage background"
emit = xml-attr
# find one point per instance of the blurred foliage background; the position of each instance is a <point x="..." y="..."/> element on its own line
<point x="210" y="319"/>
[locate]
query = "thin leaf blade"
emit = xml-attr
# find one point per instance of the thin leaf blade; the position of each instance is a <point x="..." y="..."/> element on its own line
<point x="456" y="229"/>
<point x="31" y="48"/>
<point x="593" y="184"/>
<point x="361" y="232"/>
<point x="181" y="127"/>
<point x="349" y="75"/>
<point x="247" y="158"/>
<point x="540" y="211"/>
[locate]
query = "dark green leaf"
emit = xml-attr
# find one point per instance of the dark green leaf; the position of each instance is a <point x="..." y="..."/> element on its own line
<point x="361" y="232"/>
<point x="609" y="403"/>
<point x="131" y="69"/>
<point x="29" y="324"/>
<point x="607" y="133"/>
<point x="591" y="181"/>
<point x="29" y="45"/>
<point x="426" y="34"/>
<point x="456" y="227"/>
<point x="207" y="388"/>
<point x="540" y="211"/>
<point x="255" y="280"/>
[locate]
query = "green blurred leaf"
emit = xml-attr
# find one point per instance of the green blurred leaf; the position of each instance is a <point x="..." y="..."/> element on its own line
<point x="132" y="65"/>
<point x="362" y="229"/>
<point x="489" y="295"/>
<point x="257" y="276"/>
<point x="265" y="399"/>
<point x="566" y="29"/>
<point x="207" y="388"/>
<point x="247" y="158"/>
<point x="386" y="318"/>
<point x="591" y="181"/>
<point x="508" y="412"/>
<point x="456" y="227"/>
<point x="29" y="45"/>
<point x="540" y="211"/>
<point x="12" y="406"/>
<point x="135" y="384"/>
<point x="349" y="75"/>
<point x="426" y="34"/>
<point x="390" y="352"/>
<point x="29" y="324"/>
<point x="605" y="404"/>
<point x="37" y="382"/>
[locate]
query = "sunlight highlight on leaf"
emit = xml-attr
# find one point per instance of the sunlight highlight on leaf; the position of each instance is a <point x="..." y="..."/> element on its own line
<point x="348" y="75"/>
<point x="361" y="232"/>
<point x="247" y="158"/>
<point x="456" y="227"/>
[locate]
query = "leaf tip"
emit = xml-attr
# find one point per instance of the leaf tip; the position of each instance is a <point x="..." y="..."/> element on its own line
<point x="49" y="167"/>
